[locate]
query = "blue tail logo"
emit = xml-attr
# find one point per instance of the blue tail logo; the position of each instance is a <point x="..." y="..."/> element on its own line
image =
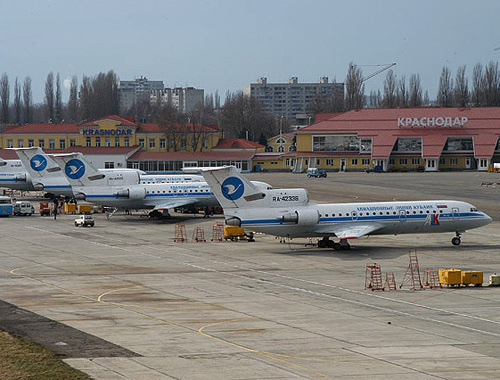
<point x="74" y="169"/>
<point x="232" y="188"/>
<point x="38" y="163"/>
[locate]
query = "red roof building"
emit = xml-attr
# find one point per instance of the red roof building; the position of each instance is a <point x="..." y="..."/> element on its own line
<point x="431" y="138"/>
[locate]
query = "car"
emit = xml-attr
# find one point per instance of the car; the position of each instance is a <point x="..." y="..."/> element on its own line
<point x="316" y="172"/>
<point x="375" y="169"/>
<point x="84" y="221"/>
<point x="23" y="208"/>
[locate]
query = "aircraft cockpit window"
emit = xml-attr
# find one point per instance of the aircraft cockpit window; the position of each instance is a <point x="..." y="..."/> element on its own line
<point x="473" y="209"/>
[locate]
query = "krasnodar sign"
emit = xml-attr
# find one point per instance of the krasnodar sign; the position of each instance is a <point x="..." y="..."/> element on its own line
<point x="432" y="122"/>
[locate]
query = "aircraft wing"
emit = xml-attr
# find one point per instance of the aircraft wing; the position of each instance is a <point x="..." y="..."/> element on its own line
<point x="352" y="231"/>
<point x="175" y="203"/>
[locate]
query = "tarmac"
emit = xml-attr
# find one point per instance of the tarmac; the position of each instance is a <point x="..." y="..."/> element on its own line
<point x="124" y="300"/>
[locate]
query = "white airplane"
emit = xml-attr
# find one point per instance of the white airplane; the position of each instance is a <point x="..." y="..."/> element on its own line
<point x="111" y="189"/>
<point x="14" y="176"/>
<point x="44" y="173"/>
<point x="288" y="213"/>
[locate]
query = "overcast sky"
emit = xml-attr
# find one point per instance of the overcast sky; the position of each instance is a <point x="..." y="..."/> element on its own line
<point x="223" y="44"/>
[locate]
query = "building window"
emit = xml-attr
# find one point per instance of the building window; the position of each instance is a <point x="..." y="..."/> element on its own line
<point x="408" y="144"/>
<point x="163" y="143"/>
<point x="20" y="143"/>
<point x="183" y="143"/>
<point x="41" y="143"/>
<point x="336" y="143"/>
<point x="403" y="161"/>
<point x="107" y="141"/>
<point x="117" y="141"/>
<point x="52" y="144"/>
<point x="453" y="161"/>
<point x="97" y="141"/>
<point x="459" y="144"/>
<point x="72" y="142"/>
<point x="126" y="141"/>
<point x="62" y="144"/>
<point x="415" y="161"/>
<point x="365" y="161"/>
<point x="365" y="146"/>
<point x="330" y="162"/>
<point x="442" y="161"/>
<point x="354" y="162"/>
<point x="141" y="143"/>
<point x="152" y="143"/>
<point x="10" y="143"/>
<point x="281" y="140"/>
<point x="31" y="143"/>
<point x="88" y="141"/>
<point x="109" y="165"/>
<point x="289" y="162"/>
<point x="205" y="143"/>
<point x="281" y="148"/>
<point x="391" y="161"/>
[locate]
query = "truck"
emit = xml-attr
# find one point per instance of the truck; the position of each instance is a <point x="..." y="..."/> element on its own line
<point x="85" y="220"/>
<point x="44" y="209"/>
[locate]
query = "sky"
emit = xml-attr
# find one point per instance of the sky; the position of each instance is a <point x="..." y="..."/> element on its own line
<point x="224" y="44"/>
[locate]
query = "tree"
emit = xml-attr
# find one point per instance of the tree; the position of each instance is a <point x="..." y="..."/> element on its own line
<point x="49" y="97"/>
<point x="354" y="88"/>
<point x="4" y="98"/>
<point x="477" y="95"/>
<point x="17" y="102"/>
<point x="445" y="90"/>
<point x="99" y="95"/>
<point x="390" y="99"/>
<point x="58" y="107"/>
<point x="491" y="84"/>
<point x="415" y="91"/>
<point x="73" y="100"/>
<point x="402" y="92"/>
<point x="461" y="95"/>
<point x="28" y="100"/>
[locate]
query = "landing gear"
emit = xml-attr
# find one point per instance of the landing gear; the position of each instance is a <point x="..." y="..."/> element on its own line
<point x="156" y="214"/>
<point x="456" y="240"/>
<point x="340" y="246"/>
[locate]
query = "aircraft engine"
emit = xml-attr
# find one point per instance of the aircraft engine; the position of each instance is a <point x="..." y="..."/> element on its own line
<point x="302" y="217"/>
<point x="233" y="221"/>
<point x="132" y="193"/>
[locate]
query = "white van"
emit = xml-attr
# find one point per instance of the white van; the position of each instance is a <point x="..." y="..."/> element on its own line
<point x="23" y="208"/>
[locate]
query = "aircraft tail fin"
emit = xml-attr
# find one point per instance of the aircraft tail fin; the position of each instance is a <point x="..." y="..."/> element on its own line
<point x="77" y="169"/>
<point x="38" y="163"/>
<point x="231" y="188"/>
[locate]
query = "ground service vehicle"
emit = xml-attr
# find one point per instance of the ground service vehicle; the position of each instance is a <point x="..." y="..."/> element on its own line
<point x="6" y="208"/>
<point x="375" y="169"/>
<point x="23" y="208"/>
<point x="44" y="209"/>
<point x="316" y="172"/>
<point x="84" y="221"/>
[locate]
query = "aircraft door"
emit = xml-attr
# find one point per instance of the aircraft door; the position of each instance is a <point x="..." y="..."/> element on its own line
<point x="402" y="216"/>
<point x="455" y="214"/>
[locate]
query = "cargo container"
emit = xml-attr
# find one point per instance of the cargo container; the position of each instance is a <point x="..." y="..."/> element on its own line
<point x="495" y="280"/>
<point x="450" y="277"/>
<point x="472" y="278"/>
<point x="69" y="208"/>
<point x="84" y="209"/>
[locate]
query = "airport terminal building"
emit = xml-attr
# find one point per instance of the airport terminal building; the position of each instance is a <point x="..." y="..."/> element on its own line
<point x="403" y="139"/>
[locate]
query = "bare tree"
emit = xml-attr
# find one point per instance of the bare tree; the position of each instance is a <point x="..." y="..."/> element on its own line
<point x="390" y="91"/>
<point x="354" y="88"/>
<point x="4" y="98"/>
<point x="28" y="100"/>
<point x="445" y="90"/>
<point x="402" y="92"/>
<point x="492" y="85"/>
<point x="99" y="95"/>
<point x="415" y="91"/>
<point x="461" y="96"/>
<point x="17" y="102"/>
<point x="58" y="106"/>
<point x="426" y="101"/>
<point x="477" y="94"/>
<point x="73" y="100"/>
<point x="49" y="97"/>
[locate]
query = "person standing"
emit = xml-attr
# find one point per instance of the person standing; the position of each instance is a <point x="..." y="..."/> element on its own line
<point x="55" y="210"/>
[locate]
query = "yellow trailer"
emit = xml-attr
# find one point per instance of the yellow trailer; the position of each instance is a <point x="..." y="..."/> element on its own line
<point x="450" y="277"/>
<point x="84" y="209"/>
<point x="472" y="278"/>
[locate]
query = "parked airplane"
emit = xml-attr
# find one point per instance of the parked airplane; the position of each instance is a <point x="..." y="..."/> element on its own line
<point x="288" y="213"/>
<point x="44" y="173"/>
<point x="14" y="176"/>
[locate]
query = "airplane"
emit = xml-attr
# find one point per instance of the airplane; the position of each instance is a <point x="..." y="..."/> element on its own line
<point x="14" y="176"/>
<point x="44" y="173"/>
<point x="288" y="213"/>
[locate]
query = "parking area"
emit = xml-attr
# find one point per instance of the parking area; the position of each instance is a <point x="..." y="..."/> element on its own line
<point x="129" y="302"/>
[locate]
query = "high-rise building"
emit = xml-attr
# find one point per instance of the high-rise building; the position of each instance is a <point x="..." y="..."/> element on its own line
<point x="134" y="91"/>
<point x="185" y="99"/>
<point x="292" y="98"/>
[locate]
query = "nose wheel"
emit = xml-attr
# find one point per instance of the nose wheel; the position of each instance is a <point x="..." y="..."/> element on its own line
<point x="456" y="240"/>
